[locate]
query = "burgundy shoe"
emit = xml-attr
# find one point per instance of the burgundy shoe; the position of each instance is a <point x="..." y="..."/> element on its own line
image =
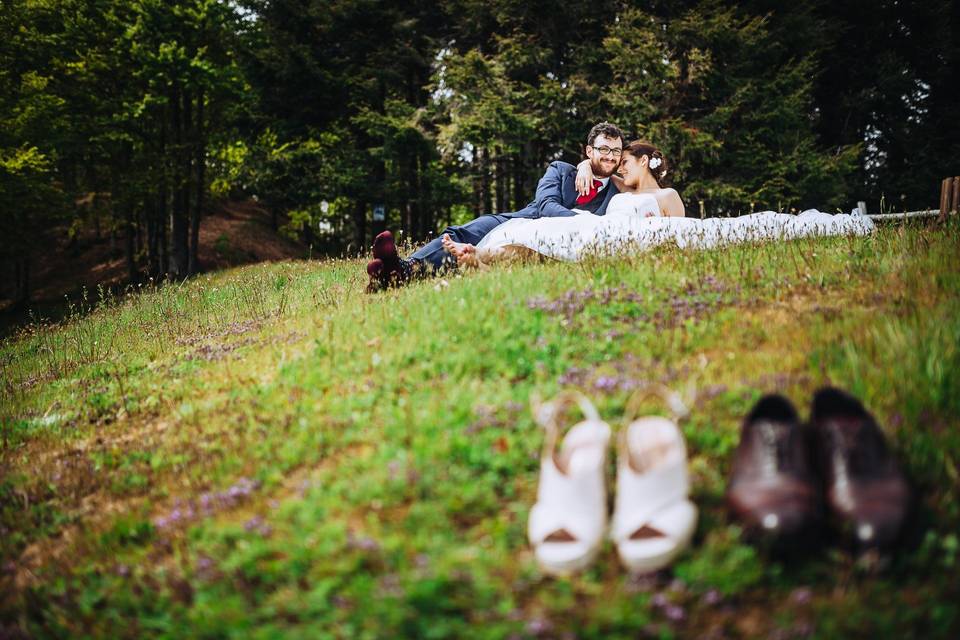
<point x="866" y="492"/>
<point x="772" y="488"/>
<point x="385" y="248"/>
<point x="379" y="278"/>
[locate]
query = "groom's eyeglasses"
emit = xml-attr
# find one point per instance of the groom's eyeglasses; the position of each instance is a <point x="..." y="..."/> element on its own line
<point x="606" y="151"/>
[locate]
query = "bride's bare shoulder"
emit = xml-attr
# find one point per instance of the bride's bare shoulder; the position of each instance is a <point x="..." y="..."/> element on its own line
<point x="670" y="202"/>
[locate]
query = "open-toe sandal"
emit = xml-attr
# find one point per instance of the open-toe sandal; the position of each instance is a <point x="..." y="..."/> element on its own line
<point x="654" y="519"/>
<point x="567" y="523"/>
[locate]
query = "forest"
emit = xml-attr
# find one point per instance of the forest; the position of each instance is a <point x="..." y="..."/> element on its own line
<point x="344" y="117"/>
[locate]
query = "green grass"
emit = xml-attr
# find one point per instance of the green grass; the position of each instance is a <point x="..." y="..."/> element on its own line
<point x="269" y="452"/>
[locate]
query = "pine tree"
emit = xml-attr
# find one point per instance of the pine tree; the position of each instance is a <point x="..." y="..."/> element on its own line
<point x="730" y="106"/>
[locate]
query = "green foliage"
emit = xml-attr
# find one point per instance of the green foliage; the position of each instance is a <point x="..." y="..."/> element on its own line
<point x="483" y="106"/>
<point x="229" y="164"/>
<point x="724" y="563"/>
<point x="296" y="176"/>
<point x="729" y="107"/>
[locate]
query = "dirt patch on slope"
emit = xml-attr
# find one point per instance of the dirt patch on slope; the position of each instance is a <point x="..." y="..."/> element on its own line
<point x="235" y="233"/>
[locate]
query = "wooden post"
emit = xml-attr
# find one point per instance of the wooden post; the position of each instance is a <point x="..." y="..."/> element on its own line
<point x="955" y="196"/>
<point x="946" y="198"/>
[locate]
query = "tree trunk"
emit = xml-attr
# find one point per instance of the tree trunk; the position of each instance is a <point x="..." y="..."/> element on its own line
<point x="360" y="223"/>
<point x="154" y="224"/>
<point x="21" y="291"/>
<point x="156" y="206"/>
<point x="163" y="232"/>
<point x="424" y="217"/>
<point x="409" y="205"/>
<point x="200" y="167"/>
<point x="178" y="213"/>
<point x="485" y="200"/>
<point x="128" y="245"/>
<point x="117" y="201"/>
<point x="517" y="171"/>
<point x="477" y="204"/>
<point x="502" y="180"/>
<point x="138" y="235"/>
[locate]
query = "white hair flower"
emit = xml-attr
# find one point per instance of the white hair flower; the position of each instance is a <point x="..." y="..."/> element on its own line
<point x="655" y="162"/>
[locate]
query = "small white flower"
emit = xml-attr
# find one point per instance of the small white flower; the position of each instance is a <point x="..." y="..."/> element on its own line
<point x="655" y="162"/>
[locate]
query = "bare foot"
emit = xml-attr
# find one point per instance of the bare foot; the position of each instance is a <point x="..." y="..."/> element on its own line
<point x="462" y="251"/>
<point x="470" y="259"/>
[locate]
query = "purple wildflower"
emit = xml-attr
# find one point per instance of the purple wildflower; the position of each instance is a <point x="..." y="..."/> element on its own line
<point x="606" y="383"/>
<point x="539" y="626"/>
<point x="573" y="376"/>
<point x="390" y="585"/>
<point x="363" y="543"/>
<point x="674" y="613"/>
<point x="422" y="561"/>
<point x="393" y="469"/>
<point x="713" y="391"/>
<point x="803" y="629"/>
<point x="801" y="596"/>
<point x="304" y="487"/>
<point x="641" y="582"/>
<point x="659" y="600"/>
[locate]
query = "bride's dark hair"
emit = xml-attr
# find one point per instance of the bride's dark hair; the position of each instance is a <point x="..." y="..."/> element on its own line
<point x="640" y="148"/>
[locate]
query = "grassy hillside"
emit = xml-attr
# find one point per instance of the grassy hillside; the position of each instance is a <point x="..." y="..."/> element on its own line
<point x="269" y="452"/>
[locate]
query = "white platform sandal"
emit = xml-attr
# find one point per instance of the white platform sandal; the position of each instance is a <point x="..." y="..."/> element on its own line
<point x="567" y="524"/>
<point x="653" y="519"/>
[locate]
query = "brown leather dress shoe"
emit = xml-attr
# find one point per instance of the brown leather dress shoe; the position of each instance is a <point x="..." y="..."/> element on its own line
<point x="772" y="489"/>
<point x="866" y="492"/>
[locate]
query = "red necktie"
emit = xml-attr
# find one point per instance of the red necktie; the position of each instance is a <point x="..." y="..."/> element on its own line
<point x="593" y="193"/>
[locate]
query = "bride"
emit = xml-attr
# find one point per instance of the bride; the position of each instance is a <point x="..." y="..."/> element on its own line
<point x="642" y="195"/>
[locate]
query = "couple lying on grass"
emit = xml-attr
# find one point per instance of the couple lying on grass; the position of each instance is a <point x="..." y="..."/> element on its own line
<point x="562" y="218"/>
<point x="613" y="200"/>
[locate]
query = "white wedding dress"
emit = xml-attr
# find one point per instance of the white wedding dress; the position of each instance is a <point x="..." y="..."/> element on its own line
<point x="633" y="223"/>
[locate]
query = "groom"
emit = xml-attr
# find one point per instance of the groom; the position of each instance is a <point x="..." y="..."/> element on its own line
<point x="556" y="196"/>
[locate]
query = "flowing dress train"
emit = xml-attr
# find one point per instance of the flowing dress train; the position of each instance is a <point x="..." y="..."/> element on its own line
<point x="633" y="223"/>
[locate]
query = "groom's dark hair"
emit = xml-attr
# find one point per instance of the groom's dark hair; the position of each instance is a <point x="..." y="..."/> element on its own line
<point x="604" y="129"/>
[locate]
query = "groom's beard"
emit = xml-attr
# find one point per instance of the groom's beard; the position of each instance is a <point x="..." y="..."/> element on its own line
<point x="603" y="168"/>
